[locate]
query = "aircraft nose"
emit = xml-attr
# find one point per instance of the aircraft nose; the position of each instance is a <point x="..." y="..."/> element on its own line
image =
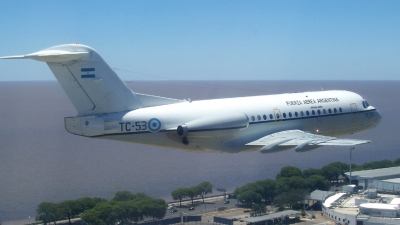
<point x="378" y="117"/>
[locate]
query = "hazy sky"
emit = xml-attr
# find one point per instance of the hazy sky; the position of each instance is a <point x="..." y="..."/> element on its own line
<point x="210" y="40"/>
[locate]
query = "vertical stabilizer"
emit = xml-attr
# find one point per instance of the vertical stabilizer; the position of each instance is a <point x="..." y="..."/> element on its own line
<point x="92" y="86"/>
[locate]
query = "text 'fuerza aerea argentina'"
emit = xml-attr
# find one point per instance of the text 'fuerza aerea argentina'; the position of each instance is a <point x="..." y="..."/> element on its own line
<point x="312" y="101"/>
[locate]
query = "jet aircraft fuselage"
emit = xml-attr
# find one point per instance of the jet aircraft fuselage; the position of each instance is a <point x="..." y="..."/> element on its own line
<point x="108" y="109"/>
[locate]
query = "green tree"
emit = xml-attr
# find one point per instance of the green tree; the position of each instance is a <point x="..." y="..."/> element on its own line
<point x="396" y="162"/>
<point x="123" y="196"/>
<point x="282" y="186"/>
<point x="251" y="186"/>
<point x="258" y="210"/>
<point x="192" y="192"/>
<point x="315" y="182"/>
<point x="87" y="203"/>
<point x="92" y="216"/>
<point x="355" y="167"/>
<point x="282" y="200"/>
<point x="106" y="212"/>
<point x="132" y="212"/>
<point x="289" y="171"/>
<point x="249" y="196"/>
<point x="311" y="171"/>
<point x="204" y="188"/>
<point x="298" y="195"/>
<point x="154" y="208"/>
<point x="268" y="189"/>
<point x="256" y="192"/>
<point x="179" y="194"/>
<point x="297" y="183"/>
<point x="127" y="196"/>
<point x="342" y="167"/>
<point x="377" y="165"/>
<point x="69" y="209"/>
<point x="331" y="172"/>
<point x="47" y="212"/>
<point x="290" y="198"/>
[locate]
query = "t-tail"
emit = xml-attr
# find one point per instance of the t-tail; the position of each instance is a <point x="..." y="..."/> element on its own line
<point x="90" y="83"/>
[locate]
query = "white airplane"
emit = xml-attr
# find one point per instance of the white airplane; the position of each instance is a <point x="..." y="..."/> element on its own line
<point x="109" y="109"/>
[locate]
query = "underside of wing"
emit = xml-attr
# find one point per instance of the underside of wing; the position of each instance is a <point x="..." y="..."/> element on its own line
<point x="303" y="141"/>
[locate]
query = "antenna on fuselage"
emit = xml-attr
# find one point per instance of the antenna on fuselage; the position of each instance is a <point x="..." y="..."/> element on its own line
<point x="322" y="88"/>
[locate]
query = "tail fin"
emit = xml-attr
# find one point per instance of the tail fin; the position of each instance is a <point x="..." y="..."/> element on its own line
<point x="92" y="86"/>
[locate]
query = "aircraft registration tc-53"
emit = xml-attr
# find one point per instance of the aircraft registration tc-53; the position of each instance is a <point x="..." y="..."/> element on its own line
<point x="109" y="109"/>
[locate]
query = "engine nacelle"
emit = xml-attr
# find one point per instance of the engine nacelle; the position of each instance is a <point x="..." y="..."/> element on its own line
<point x="183" y="130"/>
<point x="305" y="147"/>
<point x="214" y="126"/>
<point x="274" y="146"/>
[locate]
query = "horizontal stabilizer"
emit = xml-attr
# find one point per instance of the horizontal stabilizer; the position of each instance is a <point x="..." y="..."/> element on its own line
<point x="50" y="56"/>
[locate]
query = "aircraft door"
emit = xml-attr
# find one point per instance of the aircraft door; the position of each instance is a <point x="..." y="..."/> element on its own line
<point x="277" y="115"/>
<point x="354" y="113"/>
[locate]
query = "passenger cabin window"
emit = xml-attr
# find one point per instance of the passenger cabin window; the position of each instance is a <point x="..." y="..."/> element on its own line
<point x="271" y="116"/>
<point x="252" y="118"/>
<point x="259" y="117"/>
<point x="324" y="111"/>
<point x="335" y="110"/>
<point x="319" y="112"/>
<point x="277" y="116"/>
<point x="265" y="117"/>
<point x="340" y="109"/>
<point x="301" y="113"/>
<point x="313" y="112"/>
<point x="290" y="114"/>
<point x="330" y="111"/>
<point x="308" y="113"/>
<point x="284" y="115"/>
<point x="296" y="114"/>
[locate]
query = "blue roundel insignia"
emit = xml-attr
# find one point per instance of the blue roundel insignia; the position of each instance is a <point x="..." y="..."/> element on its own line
<point x="154" y="125"/>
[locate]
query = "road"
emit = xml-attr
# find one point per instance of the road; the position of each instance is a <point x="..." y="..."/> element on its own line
<point x="210" y="205"/>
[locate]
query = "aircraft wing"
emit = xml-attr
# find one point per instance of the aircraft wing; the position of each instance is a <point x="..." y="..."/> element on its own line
<point x="303" y="141"/>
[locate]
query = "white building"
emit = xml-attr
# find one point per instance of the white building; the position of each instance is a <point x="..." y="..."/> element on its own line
<point x="380" y="210"/>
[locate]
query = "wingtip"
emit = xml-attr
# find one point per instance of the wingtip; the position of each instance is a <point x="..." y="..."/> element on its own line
<point x="14" y="57"/>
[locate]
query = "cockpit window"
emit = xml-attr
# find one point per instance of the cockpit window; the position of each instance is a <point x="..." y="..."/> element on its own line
<point x="365" y="104"/>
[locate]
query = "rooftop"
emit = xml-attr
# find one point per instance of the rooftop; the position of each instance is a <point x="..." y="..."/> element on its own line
<point x="394" y="180"/>
<point x="271" y="216"/>
<point x="329" y="201"/>
<point x="320" y="195"/>
<point x="395" y="201"/>
<point x="380" y="174"/>
<point x="378" y="206"/>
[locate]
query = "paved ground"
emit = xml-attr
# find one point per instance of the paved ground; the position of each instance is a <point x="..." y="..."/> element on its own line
<point x="16" y="222"/>
<point x="210" y="209"/>
<point x="238" y="213"/>
<point x="210" y="205"/>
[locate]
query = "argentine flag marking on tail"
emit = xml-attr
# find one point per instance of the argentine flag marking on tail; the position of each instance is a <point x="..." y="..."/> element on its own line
<point x="89" y="73"/>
